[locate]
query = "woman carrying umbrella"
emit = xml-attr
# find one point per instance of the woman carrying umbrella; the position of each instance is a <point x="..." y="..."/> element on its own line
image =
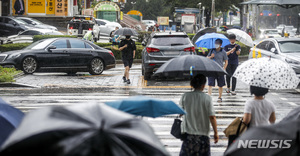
<point x="199" y="113"/>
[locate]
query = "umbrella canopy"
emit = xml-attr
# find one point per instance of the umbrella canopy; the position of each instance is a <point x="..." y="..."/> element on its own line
<point x="274" y="139"/>
<point x="189" y="65"/>
<point x="202" y="32"/>
<point x="267" y="73"/>
<point x="145" y="106"/>
<point x="208" y="40"/>
<point x="10" y="118"/>
<point x="82" y="129"/>
<point x="126" y="32"/>
<point x="242" y="36"/>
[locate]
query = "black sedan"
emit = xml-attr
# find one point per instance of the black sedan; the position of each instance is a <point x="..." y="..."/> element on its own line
<point x="68" y="55"/>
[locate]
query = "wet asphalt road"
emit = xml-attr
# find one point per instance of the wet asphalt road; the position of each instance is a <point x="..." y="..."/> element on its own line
<point x="52" y="89"/>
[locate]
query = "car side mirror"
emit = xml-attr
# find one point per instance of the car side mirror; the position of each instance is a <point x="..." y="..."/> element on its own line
<point x="273" y="50"/>
<point x="49" y="49"/>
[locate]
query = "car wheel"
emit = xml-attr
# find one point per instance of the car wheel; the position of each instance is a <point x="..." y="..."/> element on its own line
<point x="96" y="66"/>
<point x="29" y="65"/>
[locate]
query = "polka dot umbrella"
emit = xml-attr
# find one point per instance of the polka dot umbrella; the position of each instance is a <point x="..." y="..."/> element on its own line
<point x="267" y="73"/>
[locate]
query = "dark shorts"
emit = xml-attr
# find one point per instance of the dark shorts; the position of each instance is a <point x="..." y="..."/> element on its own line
<point x="195" y="145"/>
<point x="220" y="80"/>
<point x="127" y="62"/>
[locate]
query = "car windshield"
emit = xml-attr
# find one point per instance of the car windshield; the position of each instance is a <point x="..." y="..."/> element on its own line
<point x="170" y="41"/>
<point x="290" y="46"/>
<point x="39" y="44"/>
<point x="271" y="32"/>
<point x="20" y="21"/>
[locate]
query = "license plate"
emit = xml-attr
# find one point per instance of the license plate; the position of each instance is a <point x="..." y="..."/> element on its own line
<point x="172" y="53"/>
<point x="87" y="18"/>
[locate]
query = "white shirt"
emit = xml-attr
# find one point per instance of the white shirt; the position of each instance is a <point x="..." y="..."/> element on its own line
<point x="260" y="111"/>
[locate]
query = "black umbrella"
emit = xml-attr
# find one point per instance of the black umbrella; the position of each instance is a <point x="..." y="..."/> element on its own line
<point x="126" y="32"/>
<point x="189" y="65"/>
<point x="83" y="130"/>
<point x="202" y="32"/>
<point x="280" y="139"/>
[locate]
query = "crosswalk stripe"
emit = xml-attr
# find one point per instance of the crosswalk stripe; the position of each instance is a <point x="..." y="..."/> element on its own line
<point x="231" y="107"/>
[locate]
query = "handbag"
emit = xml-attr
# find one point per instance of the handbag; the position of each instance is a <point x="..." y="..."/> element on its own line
<point x="176" y="128"/>
<point x="235" y="129"/>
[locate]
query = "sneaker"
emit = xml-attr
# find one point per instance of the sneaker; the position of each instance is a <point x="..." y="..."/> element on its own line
<point x="124" y="79"/>
<point x="233" y="93"/>
<point x="219" y="100"/>
<point x="227" y="90"/>
<point x="128" y="81"/>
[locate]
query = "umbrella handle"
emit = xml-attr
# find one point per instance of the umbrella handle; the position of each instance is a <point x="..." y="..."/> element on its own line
<point x="191" y="70"/>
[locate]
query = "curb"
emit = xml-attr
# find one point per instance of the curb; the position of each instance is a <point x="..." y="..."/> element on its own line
<point x="12" y="84"/>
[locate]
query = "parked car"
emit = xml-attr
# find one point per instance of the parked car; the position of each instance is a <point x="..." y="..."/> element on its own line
<point x="162" y="47"/>
<point x="11" y="26"/>
<point x="285" y="49"/>
<point x="36" y="23"/>
<point x="69" y="55"/>
<point x="27" y="35"/>
<point x="149" y="23"/>
<point x="107" y="27"/>
<point x="269" y="33"/>
<point x="80" y="25"/>
<point x="291" y="30"/>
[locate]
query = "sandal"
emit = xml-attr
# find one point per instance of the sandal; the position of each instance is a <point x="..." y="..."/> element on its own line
<point x="219" y="100"/>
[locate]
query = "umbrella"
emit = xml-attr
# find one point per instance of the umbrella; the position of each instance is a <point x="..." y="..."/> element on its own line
<point x="202" y="32"/>
<point x="145" y="106"/>
<point x="125" y="32"/>
<point x="242" y="36"/>
<point x="267" y="73"/>
<point x="208" y="40"/>
<point x="189" y="65"/>
<point x="279" y="134"/>
<point x="83" y="129"/>
<point x="10" y="118"/>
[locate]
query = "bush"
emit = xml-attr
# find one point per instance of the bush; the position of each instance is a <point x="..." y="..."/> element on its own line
<point x="15" y="46"/>
<point x="41" y="37"/>
<point x="7" y="74"/>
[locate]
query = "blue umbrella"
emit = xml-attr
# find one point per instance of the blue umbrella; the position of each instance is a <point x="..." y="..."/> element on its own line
<point x="208" y="40"/>
<point x="10" y="118"/>
<point x="145" y="106"/>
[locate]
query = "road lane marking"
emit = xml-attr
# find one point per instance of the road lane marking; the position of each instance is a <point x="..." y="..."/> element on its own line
<point x="292" y="103"/>
<point x="285" y="99"/>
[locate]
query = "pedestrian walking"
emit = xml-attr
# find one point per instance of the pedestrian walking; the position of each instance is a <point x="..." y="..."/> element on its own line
<point x="200" y="114"/>
<point x="233" y="51"/>
<point x="115" y="38"/>
<point x="259" y="111"/>
<point x="219" y="55"/>
<point x="128" y="48"/>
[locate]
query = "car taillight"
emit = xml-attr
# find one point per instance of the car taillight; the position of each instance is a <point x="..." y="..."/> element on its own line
<point x="150" y="50"/>
<point x="70" y="27"/>
<point x="111" y="53"/>
<point x="152" y="64"/>
<point x="190" y="49"/>
<point x="90" y="28"/>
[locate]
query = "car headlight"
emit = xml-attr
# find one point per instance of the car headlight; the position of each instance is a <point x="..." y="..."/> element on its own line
<point x="13" y="56"/>
<point x="292" y="61"/>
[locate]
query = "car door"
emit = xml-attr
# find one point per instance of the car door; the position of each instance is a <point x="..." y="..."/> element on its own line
<point x="59" y="57"/>
<point x="103" y="29"/>
<point x="260" y="50"/>
<point x="80" y="53"/>
<point x="26" y="36"/>
<point x="3" y="31"/>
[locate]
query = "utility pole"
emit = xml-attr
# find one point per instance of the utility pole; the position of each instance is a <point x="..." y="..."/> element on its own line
<point x="199" y="4"/>
<point x="213" y="13"/>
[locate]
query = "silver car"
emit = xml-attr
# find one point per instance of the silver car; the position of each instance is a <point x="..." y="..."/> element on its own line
<point x="107" y="27"/>
<point x="27" y="35"/>
<point x="163" y="46"/>
<point x="36" y="23"/>
<point x="285" y="49"/>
